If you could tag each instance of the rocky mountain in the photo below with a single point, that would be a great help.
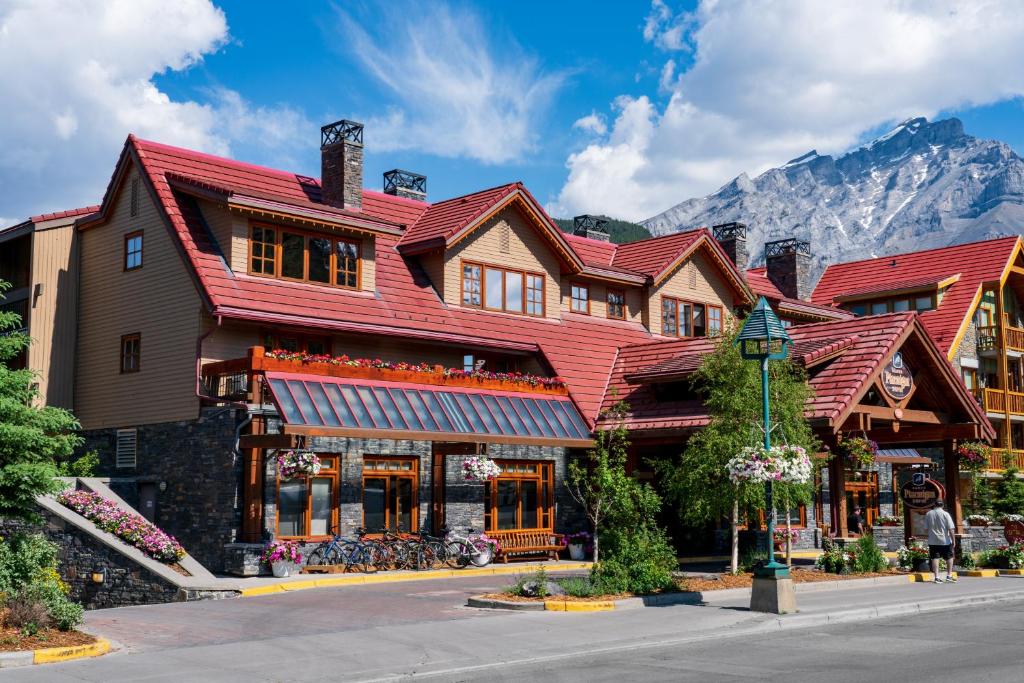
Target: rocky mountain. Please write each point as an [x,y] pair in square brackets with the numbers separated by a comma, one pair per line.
[921,185]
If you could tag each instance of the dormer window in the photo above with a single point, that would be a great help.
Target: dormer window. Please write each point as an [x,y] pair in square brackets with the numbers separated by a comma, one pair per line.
[689,319]
[502,289]
[580,302]
[294,255]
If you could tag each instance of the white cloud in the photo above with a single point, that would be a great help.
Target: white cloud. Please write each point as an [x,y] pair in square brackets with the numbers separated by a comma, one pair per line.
[458,91]
[770,81]
[666,29]
[592,123]
[77,77]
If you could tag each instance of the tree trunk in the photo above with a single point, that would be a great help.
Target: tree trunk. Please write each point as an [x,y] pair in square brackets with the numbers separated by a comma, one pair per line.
[734,525]
[789,540]
[596,544]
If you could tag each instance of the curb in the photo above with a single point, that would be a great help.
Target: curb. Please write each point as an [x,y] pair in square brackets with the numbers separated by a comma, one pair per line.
[384,577]
[985,573]
[1010,572]
[49,655]
[928,576]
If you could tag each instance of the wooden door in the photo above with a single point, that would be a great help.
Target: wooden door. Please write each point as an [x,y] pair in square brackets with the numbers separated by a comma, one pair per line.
[437,500]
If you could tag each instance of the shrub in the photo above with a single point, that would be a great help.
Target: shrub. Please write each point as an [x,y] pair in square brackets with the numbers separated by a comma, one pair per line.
[750,559]
[834,559]
[22,558]
[967,561]
[638,560]
[26,613]
[52,594]
[578,586]
[1008,496]
[869,557]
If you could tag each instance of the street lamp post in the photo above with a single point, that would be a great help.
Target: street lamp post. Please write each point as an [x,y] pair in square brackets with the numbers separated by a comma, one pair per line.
[764,338]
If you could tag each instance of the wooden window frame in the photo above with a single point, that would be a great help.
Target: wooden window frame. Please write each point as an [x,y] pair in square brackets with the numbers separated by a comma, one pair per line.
[413,473]
[573,299]
[762,519]
[543,294]
[545,478]
[524,274]
[679,304]
[127,239]
[303,340]
[331,469]
[608,303]
[279,232]
[721,319]
[135,337]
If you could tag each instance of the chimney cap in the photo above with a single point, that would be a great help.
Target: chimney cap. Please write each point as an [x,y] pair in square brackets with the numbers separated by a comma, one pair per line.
[341,131]
[397,179]
[734,230]
[585,223]
[791,245]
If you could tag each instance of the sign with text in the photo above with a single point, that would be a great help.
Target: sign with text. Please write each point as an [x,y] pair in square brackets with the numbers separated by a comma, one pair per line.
[896,378]
[921,493]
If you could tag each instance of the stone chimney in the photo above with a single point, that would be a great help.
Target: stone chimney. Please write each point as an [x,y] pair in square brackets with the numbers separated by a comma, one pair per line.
[590,226]
[789,266]
[405,184]
[341,164]
[732,237]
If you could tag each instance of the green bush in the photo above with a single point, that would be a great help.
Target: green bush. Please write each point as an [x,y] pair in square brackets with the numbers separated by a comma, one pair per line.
[22,558]
[868,556]
[578,586]
[750,558]
[967,561]
[638,560]
[29,578]
[1008,497]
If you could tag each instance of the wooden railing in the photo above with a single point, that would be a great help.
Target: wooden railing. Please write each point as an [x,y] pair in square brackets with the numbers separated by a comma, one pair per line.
[996,401]
[1001,457]
[1014,338]
[990,338]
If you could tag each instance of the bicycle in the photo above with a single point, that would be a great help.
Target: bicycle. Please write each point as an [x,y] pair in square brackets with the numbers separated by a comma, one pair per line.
[473,548]
[339,550]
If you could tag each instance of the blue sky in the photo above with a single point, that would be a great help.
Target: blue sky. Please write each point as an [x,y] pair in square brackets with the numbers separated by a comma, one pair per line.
[623,108]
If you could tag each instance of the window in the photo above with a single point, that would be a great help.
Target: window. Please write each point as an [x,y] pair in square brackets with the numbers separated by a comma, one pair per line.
[879,308]
[318,259]
[797,517]
[468,363]
[521,496]
[920,303]
[901,305]
[616,304]
[502,289]
[133,250]
[131,348]
[857,309]
[924,303]
[389,494]
[687,319]
[307,506]
[580,299]
[294,343]
[970,376]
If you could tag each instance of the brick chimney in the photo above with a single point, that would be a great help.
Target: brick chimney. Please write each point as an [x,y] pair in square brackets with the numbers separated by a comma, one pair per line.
[405,184]
[341,164]
[590,226]
[788,264]
[732,237]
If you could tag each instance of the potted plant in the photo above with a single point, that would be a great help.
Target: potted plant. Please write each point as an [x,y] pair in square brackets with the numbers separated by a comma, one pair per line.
[859,451]
[291,464]
[780,535]
[979,520]
[282,556]
[913,557]
[973,455]
[580,544]
[480,468]
[888,520]
[780,463]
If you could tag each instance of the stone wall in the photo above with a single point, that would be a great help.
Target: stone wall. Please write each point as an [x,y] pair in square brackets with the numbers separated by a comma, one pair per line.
[195,462]
[980,538]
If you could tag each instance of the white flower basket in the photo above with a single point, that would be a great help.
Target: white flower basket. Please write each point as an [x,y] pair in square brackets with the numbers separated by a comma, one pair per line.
[479,468]
[789,464]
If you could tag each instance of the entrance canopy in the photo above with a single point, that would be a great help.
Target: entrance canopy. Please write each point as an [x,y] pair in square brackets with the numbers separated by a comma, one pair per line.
[329,406]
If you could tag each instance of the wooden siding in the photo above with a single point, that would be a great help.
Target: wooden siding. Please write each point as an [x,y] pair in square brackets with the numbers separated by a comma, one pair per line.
[697,279]
[52,317]
[599,297]
[159,301]
[526,250]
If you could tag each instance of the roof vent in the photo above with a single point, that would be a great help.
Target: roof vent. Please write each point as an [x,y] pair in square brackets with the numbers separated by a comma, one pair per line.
[405,184]
[590,226]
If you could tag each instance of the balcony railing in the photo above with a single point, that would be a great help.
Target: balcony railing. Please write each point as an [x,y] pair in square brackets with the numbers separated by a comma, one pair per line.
[989,338]
[1001,457]
[995,401]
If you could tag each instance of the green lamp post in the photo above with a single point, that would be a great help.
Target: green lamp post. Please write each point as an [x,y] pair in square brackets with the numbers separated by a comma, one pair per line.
[764,338]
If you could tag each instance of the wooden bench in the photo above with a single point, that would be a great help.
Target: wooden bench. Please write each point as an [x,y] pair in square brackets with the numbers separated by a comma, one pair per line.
[528,542]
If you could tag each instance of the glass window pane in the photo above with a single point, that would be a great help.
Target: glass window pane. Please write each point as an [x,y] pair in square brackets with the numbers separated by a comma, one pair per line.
[529,424]
[503,413]
[397,421]
[879,308]
[340,406]
[320,259]
[481,408]
[901,305]
[668,317]
[346,263]
[552,419]
[514,292]
[316,390]
[291,510]
[528,494]
[436,411]
[320,512]
[405,409]
[535,295]
[507,504]
[422,412]
[569,420]
[292,255]
[305,402]
[685,322]
[699,324]
[469,413]
[285,402]
[492,288]
[471,285]
[358,409]
[858,309]
[714,320]
[403,502]
[538,416]
[374,498]
[923,303]
[371,404]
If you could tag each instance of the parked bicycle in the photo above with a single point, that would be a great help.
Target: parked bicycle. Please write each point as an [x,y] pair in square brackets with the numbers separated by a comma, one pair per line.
[387,549]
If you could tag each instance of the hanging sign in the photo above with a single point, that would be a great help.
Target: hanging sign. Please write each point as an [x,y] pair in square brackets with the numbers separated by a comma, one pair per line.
[921,492]
[896,379]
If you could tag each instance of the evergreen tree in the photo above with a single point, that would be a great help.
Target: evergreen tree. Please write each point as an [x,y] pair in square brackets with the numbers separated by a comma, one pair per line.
[32,438]
[1008,498]
[619,232]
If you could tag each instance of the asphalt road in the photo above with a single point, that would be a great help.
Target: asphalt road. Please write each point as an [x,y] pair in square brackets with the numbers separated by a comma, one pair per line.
[423,630]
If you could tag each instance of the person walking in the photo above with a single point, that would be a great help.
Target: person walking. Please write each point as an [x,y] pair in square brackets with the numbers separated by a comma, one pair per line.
[941,538]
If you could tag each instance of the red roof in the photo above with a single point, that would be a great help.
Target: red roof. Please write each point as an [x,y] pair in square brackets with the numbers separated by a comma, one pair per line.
[976,263]
[70,213]
[443,220]
[598,253]
[757,280]
[651,257]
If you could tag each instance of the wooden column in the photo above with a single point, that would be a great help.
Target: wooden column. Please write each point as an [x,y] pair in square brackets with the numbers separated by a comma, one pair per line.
[1004,375]
[252,488]
[951,464]
[837,495]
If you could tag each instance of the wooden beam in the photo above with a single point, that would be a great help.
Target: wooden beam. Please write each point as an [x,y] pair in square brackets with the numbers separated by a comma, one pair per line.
[903,414]
[1017,269]
[266,441]
[916,434]
[951,464]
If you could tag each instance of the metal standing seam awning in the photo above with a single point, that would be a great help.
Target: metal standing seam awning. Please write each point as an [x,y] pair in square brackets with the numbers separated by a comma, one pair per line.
[329,406]
[902,456]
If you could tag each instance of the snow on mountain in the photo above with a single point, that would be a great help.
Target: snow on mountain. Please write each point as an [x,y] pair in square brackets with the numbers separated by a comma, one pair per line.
[921,185]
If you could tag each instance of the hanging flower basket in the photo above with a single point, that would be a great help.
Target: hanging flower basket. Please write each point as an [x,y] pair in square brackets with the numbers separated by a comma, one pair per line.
[789,464]
[479,468]
[974,456]
[859,451]
[291,464]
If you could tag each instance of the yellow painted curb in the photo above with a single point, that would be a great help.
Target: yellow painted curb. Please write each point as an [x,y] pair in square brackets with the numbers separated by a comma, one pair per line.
[48,655]
[386,577]
[985,573]
[1010,572]
[926,576]
[567,606]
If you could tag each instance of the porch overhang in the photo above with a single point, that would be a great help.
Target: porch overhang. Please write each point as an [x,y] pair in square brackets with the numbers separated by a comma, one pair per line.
[315,405]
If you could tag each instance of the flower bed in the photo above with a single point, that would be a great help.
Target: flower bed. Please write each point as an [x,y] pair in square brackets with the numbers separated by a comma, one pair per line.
[979,520]
[889,520]
[909,555]
[378,364]
[128,526]
[1004,557]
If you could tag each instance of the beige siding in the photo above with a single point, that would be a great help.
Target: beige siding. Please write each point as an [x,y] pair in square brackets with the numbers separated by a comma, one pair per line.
[159,301]
[506,240]
[52,315]
[697,279]
[599,298]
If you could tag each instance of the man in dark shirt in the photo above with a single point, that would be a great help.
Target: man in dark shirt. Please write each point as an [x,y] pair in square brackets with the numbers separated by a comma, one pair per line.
[855,523]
